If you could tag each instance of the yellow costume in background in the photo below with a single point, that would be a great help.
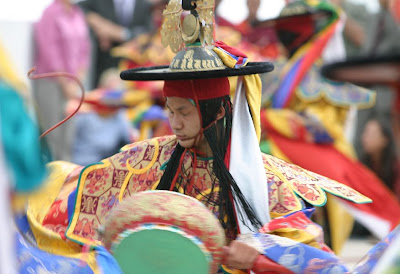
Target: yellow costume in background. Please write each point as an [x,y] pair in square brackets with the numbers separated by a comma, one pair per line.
[298,104]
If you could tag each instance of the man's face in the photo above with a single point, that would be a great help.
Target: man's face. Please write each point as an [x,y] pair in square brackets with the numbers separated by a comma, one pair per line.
[185,121]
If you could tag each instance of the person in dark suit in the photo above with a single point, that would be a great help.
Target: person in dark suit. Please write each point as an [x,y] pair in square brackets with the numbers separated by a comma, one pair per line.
[113,22]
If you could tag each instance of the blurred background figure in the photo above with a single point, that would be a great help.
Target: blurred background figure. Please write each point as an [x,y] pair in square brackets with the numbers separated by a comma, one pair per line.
[357,26]
[102,126]
[383,39]
[304,116]
[379,153]
[385,32]
[258,43]
[147,116]
[62,43]
[145,49]
[113,22]
[378,69]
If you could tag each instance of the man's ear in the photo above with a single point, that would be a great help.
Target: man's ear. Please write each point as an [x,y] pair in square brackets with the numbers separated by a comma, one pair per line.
[221,113]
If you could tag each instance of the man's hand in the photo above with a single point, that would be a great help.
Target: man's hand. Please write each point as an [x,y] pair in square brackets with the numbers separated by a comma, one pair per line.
[239,255]
[106,31]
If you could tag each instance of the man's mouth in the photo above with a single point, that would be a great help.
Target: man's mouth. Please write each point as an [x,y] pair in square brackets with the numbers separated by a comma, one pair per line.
[182,137]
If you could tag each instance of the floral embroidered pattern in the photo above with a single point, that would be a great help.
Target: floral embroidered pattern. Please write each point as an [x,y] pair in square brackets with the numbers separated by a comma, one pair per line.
[308,185]
[103,183]
[98,179]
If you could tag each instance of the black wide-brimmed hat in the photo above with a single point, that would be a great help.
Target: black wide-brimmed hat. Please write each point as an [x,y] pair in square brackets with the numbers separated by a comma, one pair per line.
[383,70]
[168,73]
[192,39]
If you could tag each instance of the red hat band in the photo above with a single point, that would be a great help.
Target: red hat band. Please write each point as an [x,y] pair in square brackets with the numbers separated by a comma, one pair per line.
[204,89]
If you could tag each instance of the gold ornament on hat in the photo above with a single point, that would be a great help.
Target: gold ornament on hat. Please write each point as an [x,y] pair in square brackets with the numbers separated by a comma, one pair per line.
[197,25]
[190,29]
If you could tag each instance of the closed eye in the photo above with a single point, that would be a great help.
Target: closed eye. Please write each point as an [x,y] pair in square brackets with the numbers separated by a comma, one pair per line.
[181,110]
[169,110]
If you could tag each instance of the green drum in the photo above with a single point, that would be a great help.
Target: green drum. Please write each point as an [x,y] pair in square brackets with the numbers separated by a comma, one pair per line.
[164,232]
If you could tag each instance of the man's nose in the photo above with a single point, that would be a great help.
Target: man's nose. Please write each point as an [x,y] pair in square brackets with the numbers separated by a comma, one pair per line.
[176,122]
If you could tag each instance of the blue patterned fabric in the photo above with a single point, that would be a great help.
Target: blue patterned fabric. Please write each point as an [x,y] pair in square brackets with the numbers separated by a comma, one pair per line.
[30,259]
[316,129]
[298,257]
[282,95]
[368,262]
[106,262]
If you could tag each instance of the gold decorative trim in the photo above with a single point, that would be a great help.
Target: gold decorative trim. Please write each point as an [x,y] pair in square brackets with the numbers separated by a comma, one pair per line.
[174,35]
